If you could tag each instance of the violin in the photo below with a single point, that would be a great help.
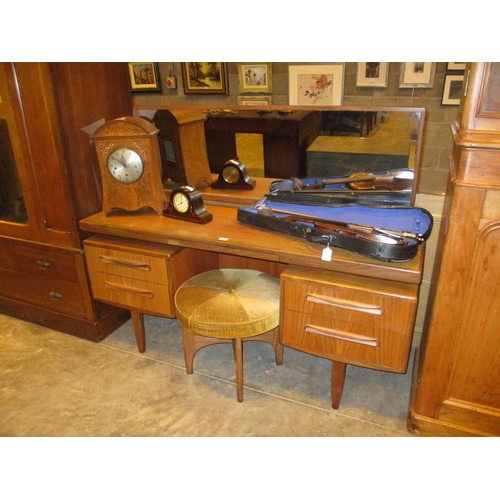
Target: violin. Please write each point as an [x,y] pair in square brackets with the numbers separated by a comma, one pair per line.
[370,233]
[392,180]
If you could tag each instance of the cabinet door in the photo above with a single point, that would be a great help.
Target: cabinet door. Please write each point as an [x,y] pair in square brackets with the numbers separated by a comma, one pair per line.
[473,392]
[37,96]
[18,200]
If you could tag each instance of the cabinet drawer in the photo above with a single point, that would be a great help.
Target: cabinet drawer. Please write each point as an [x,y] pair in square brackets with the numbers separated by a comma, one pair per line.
[357,320]
[126,262]
[39,261]
[370,310]
[142,275]
[57,295]
[346,342]
[131,293]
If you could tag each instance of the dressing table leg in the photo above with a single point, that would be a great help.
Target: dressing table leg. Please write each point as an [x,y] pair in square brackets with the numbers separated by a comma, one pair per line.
[140,334]
[338,377]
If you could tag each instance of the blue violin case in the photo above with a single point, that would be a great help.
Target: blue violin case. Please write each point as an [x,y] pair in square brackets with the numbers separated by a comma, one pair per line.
[387,233]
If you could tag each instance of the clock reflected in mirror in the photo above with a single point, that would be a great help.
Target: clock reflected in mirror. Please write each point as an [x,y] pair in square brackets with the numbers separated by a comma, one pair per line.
[233,175]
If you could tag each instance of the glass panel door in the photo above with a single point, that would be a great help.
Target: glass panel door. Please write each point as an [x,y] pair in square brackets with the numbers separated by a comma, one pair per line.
[12,205]
[17,183]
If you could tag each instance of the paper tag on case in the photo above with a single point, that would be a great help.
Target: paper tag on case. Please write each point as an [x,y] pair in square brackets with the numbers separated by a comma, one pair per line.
[327,254]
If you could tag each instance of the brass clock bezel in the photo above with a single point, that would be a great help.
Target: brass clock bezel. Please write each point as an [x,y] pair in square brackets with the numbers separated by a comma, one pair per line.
[233,175]
[113,176]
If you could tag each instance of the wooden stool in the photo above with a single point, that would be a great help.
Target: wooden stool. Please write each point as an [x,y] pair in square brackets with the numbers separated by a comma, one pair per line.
[229,306]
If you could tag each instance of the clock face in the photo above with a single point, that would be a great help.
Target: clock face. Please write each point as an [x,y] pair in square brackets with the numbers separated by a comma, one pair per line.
[125,165]
[180,202]
[231,174]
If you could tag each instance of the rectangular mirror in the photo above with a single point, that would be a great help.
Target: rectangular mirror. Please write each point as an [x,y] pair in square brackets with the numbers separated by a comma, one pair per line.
[283,142]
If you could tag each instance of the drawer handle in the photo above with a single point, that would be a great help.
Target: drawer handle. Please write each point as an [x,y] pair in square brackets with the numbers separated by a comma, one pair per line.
[125,263]
[345,304]
[337,334]
[43,265]
[57,297]
[129,289]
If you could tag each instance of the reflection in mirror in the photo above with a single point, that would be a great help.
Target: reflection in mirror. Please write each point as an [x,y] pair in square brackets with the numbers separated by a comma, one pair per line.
[341,144]
[316,144]
[296,142]
[12,208]
[341,147]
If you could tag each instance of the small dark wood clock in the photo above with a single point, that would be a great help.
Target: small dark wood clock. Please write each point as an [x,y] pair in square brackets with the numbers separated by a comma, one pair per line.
[128,154]
[233,175]
[186,204]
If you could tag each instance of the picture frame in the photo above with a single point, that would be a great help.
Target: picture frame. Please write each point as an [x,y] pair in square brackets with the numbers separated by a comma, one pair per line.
[204,78]
[316,85]
[255,77]
[144,76]
[456,66]
[264,100]
[452,90]
[417,75]
[372,74]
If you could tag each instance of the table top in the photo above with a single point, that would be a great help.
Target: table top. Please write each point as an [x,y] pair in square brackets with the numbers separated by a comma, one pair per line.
[226,235]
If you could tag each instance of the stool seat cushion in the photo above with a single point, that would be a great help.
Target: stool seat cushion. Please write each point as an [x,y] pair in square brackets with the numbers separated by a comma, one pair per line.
[229,303]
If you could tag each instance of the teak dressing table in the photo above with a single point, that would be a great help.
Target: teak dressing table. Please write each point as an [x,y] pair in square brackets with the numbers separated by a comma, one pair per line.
[352,309]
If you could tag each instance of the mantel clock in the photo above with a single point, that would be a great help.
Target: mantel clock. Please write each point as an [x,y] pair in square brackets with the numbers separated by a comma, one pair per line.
[187,204]
[233,175]
[127,150]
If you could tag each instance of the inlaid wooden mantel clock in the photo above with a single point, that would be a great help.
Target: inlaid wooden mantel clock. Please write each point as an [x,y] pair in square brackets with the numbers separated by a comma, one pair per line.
[127,150]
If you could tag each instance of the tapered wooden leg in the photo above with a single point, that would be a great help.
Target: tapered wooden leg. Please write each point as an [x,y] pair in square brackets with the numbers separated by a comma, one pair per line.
[278,346]
[188,342]
[140,334]
[271,337]
[338,377]
[238,358]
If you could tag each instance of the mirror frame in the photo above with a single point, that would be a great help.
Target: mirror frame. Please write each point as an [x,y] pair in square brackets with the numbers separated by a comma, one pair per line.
[149,112]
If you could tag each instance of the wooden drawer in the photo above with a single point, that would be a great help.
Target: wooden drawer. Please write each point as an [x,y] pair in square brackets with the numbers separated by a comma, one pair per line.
[57,295]
[362,321]
[39,261]
[140,263]
[141,275]
[132,294]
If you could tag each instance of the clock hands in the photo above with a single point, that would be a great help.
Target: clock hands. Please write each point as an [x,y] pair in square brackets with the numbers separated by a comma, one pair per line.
[121,162]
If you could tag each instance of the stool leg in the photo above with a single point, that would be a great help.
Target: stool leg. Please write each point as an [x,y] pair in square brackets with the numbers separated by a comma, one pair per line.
[188,341]
[238,358]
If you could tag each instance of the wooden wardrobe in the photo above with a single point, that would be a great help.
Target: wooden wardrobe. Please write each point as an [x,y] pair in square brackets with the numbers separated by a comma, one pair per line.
[456,383]
[49,180]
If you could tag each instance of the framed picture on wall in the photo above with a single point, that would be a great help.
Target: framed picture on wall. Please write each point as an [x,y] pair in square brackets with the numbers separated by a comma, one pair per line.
[204,77]
[417,75]
[452,91]
[144,77]
[372,74]
[245,100]
[321,85]
[456,66]
[255,77]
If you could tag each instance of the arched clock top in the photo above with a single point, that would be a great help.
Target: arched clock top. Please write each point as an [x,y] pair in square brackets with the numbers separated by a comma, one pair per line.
[127,126]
